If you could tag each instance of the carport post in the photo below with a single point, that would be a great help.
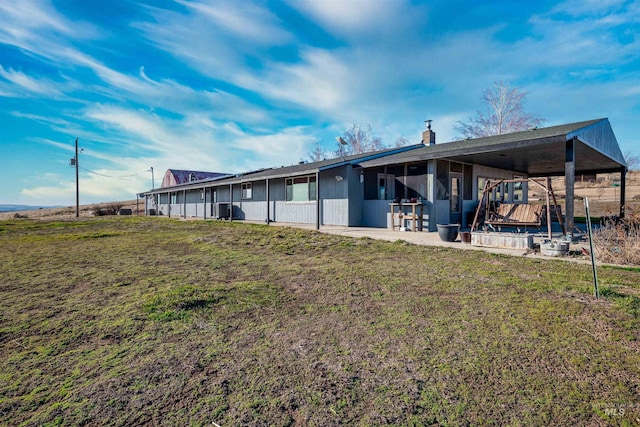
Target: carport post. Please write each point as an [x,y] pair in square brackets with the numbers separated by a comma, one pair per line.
[623,190]
[569,179]
[268,201]
[318,204]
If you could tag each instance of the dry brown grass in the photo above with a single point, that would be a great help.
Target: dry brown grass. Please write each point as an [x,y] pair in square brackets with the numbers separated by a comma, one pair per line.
[617,241]
[149,321]
[88,210]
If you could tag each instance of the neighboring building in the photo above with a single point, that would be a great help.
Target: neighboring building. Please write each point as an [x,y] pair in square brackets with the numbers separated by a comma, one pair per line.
[173,177]
[446,178]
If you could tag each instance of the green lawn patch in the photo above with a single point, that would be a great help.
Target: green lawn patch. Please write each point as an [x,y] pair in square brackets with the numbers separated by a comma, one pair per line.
[136,321]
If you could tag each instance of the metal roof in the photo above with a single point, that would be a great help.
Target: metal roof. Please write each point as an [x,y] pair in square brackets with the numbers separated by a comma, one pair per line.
[302,168]
[181,176]
[535,152]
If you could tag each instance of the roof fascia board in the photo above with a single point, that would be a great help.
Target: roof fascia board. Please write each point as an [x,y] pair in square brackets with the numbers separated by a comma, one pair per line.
[482,149]
[581,135]
[365,158]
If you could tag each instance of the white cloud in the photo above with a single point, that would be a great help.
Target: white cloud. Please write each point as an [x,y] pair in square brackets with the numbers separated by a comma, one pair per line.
[22,17]
[32,85]
[61,145]
[576,8]
[197,142]
[245,20]
[319,82]
[356,18]
[216,38]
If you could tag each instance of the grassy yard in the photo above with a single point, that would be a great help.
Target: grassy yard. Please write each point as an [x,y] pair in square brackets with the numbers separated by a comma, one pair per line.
[152,321]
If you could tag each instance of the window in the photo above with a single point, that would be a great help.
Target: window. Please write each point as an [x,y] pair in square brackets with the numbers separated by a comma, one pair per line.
[518,189]
[246,190]
[481,183]
[506,192]
[301,189]
[174,198]
[499,192]
[442,180]
[467,185]
[496,191]
[386,187]
[456,194]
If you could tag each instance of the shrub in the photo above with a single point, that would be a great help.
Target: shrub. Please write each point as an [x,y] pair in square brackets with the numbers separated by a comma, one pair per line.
[618,240]
[111,208]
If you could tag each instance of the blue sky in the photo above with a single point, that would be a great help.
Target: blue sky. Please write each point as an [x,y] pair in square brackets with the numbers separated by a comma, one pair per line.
[230,86]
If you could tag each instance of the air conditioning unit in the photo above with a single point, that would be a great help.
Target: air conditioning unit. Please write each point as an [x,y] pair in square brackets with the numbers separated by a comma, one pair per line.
[221,211]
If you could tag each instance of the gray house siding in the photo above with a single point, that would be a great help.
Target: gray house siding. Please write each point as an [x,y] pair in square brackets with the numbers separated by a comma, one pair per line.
[253,211]
[376,213]
[356,197]
[175,210]
[334,190]
[297,212]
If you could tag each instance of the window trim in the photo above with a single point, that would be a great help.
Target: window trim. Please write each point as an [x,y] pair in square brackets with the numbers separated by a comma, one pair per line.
[311,190]
[246,191]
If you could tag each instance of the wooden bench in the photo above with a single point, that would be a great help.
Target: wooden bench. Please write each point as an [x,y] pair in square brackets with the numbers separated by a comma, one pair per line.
[516,215]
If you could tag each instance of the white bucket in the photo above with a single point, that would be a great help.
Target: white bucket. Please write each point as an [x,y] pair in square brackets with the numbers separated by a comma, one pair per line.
[554,247]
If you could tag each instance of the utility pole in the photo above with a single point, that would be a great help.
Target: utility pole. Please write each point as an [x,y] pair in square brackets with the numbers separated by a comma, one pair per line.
[77,184]
[152,179]
[74,162]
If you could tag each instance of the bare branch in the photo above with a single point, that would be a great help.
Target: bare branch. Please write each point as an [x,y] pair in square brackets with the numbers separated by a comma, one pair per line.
[633,161]
[317,152]
[360,139]
[504,113]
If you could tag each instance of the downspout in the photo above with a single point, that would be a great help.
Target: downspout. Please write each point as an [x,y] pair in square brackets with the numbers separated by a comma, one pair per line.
[318,210]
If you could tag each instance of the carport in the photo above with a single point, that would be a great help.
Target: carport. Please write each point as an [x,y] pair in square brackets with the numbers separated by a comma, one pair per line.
[582,148]
[569,150]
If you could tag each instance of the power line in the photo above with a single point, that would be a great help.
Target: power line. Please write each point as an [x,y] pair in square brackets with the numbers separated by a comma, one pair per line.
[113,176]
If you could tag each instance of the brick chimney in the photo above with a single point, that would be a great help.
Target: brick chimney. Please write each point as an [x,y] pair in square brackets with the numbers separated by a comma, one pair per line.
[428,136]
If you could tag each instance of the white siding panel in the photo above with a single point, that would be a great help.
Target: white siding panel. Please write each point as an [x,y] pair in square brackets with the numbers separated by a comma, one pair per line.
[254,211]
[300,213]
[176,210]
[335,212]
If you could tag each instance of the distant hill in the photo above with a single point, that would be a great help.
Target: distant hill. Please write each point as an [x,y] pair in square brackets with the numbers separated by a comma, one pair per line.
[15,208]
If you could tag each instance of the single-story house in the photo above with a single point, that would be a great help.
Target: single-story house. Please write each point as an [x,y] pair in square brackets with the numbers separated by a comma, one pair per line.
[446,180]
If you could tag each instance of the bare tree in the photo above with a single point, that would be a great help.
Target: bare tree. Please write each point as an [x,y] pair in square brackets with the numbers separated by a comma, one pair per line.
[317,152]
[401,142]
[633,161]
[504,112]
[360,139]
